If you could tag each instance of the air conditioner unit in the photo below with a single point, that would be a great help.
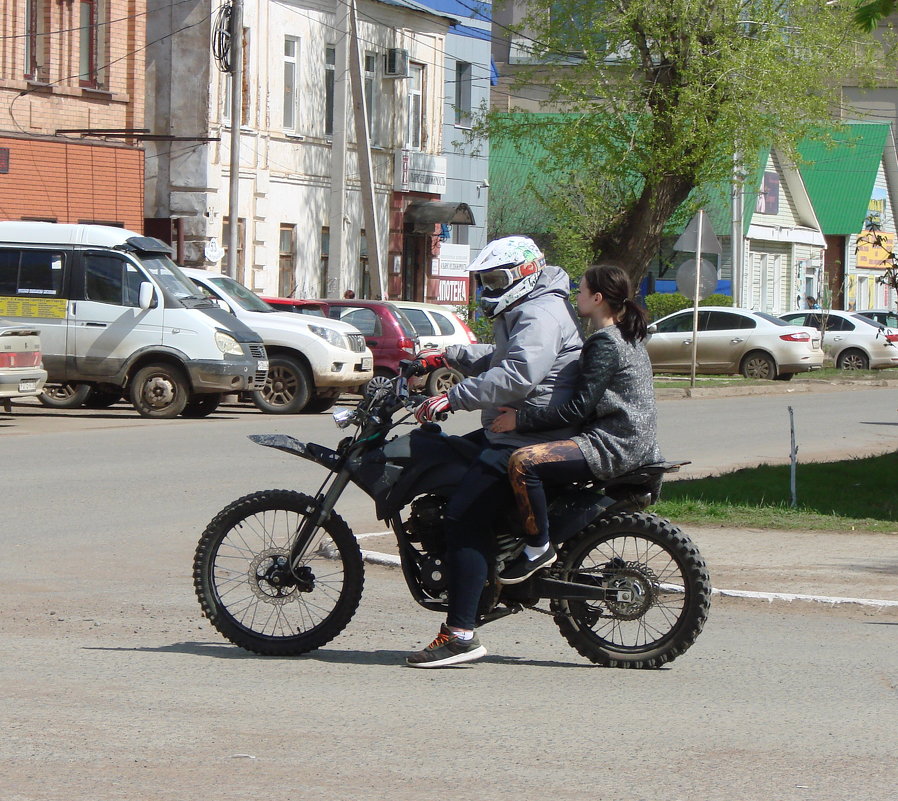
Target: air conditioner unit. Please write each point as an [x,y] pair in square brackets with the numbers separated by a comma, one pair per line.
[396,63]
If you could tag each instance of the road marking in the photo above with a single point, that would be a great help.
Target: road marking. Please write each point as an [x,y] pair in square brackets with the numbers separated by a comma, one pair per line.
[388,560]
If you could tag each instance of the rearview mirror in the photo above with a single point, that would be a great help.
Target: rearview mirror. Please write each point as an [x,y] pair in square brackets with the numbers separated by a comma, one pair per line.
[146,295]
[652,329]
[223,304]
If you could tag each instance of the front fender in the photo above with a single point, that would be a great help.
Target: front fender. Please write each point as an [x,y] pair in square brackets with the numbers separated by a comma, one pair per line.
[314,453]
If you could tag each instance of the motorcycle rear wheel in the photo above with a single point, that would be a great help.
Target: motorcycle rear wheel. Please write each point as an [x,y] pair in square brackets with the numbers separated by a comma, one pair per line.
[244,585]
[669,585]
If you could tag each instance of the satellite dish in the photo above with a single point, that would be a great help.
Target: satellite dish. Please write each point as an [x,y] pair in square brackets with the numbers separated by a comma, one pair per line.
[707,279]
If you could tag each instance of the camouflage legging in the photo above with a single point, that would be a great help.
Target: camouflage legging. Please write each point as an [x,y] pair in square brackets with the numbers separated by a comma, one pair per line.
[558,462]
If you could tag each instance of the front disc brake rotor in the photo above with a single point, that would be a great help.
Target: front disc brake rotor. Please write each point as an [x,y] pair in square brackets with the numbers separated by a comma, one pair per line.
[270,579]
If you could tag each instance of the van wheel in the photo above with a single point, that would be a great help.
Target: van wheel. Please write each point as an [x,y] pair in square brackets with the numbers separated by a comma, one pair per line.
[201,405]
[159,391]
[287,389]
[64,396]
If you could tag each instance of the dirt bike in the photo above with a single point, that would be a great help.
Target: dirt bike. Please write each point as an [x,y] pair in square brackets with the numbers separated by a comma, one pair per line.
[280,573]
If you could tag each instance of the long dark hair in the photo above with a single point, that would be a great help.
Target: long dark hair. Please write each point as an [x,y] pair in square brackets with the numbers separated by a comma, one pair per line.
[617,289]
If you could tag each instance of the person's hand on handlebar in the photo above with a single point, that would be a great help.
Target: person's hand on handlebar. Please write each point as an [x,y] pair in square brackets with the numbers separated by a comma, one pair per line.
[430,359]
[435,408]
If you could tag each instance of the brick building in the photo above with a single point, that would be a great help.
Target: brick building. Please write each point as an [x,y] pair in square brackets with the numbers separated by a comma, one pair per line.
[71,84]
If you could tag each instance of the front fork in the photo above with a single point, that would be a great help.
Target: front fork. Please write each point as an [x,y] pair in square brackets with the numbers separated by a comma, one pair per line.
[317,515]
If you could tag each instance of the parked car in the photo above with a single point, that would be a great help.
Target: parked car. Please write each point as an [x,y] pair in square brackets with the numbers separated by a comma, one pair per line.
[882,316]
[310,362]
[854,342]
[732,340]
[116,315]
[437,327]
[388,332]
[21,372]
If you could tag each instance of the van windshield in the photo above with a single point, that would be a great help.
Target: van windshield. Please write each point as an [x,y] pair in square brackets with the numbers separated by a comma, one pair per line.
[172,280]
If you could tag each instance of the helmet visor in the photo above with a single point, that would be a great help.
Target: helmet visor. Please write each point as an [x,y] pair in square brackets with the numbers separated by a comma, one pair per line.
[500,278]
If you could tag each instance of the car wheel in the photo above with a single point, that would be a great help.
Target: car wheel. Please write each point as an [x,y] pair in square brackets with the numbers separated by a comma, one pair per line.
[381,380]
[852,359]
[287,389]
[783,376]
[64,396]
[759,365]
[159,390]
[321,403]
[442,380]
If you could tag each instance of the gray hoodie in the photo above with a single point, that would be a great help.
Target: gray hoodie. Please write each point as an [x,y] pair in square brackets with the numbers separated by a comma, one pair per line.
[534,360]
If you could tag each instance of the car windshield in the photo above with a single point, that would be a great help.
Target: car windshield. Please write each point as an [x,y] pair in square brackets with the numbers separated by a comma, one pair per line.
[243,297]
[172,280]
[771,319]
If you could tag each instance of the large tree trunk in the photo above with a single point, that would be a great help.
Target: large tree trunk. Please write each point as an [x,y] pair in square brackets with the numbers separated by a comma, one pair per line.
[636,238]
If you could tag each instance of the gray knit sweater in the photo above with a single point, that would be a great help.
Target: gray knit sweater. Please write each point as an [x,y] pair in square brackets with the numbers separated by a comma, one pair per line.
[613,405]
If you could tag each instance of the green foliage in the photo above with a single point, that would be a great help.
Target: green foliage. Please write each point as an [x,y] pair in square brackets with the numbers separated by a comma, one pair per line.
[656,98]
[478,322]
[660,304]
[716,300]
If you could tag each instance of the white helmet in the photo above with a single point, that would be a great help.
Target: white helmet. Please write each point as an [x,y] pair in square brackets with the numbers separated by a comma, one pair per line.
[507,269]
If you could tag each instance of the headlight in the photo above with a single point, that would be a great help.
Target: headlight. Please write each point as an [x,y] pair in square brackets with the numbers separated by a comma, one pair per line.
[227,344]
[335,338]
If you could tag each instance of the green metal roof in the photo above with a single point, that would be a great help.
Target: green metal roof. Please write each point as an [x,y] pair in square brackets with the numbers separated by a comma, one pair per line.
[840,177]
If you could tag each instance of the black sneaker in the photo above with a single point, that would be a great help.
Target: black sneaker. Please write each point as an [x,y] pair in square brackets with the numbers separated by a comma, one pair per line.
[521,568]
[447,650]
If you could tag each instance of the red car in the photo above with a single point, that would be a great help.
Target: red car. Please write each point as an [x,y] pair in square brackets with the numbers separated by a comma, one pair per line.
[387,330]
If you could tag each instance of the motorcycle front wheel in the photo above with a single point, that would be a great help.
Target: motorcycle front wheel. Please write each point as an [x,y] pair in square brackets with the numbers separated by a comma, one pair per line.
[663,585]
[245,586]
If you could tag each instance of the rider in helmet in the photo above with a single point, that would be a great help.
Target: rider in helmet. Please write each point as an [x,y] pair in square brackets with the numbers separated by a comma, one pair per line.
[533,361]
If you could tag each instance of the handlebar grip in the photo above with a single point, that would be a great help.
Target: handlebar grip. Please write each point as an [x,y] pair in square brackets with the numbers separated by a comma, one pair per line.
[442,417]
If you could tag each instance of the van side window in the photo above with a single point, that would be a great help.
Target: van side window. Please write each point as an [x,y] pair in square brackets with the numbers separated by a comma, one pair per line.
[31,272]
[109,279]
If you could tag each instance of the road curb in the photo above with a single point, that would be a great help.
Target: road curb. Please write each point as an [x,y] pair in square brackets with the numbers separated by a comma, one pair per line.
[389,560]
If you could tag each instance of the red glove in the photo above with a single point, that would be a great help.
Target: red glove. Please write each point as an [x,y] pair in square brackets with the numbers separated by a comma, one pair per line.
[431,359]
[435,407]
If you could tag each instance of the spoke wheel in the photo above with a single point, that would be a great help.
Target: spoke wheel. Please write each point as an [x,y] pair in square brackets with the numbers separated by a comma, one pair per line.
[759,365]
[664,585]
[287,389]
[381,380]
[64,396]
[853,360]
[442,380]
[247,589]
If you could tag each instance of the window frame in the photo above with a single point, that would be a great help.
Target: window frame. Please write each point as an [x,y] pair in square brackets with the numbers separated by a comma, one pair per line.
[291,101]
[286,261]
[415,102]
[330,82]
[369,82]
[463,86]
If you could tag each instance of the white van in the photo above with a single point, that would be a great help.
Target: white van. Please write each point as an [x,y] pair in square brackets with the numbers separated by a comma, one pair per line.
[116,315]
[311,360]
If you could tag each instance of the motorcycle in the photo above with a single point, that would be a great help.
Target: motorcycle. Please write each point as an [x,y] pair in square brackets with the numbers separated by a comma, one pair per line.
[280,573]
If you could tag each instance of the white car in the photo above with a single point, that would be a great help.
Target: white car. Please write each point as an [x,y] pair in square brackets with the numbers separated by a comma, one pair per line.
[21,372]
[854,341]
[437,327]
[731,340]
[312,360]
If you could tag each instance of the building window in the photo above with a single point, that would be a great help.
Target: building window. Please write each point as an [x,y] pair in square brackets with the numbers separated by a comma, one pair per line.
[240,268]
[460,234]
[287,261]
[291,55]
[370,82]
[330,69]
[92,40]
[414,135]
[463,94]
[325,258]
[35,40]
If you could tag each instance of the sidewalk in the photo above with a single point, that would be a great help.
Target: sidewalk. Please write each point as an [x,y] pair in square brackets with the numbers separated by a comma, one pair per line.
[822,564]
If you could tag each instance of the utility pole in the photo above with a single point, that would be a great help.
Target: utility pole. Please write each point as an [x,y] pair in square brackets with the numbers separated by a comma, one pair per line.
[366,171]
[336,256]
[236,119]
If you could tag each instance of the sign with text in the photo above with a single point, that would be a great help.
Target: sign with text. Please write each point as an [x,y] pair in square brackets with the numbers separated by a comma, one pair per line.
[54,308]
[448,290]
[873,250]
[419,172]
[453,261]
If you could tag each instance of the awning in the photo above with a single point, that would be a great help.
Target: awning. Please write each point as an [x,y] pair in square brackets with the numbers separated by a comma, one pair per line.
[423,215]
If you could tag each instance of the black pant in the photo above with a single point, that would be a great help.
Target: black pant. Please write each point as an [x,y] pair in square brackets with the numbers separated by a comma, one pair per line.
[470,544]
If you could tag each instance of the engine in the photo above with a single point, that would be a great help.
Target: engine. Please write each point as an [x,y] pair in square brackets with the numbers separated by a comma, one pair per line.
[425,526]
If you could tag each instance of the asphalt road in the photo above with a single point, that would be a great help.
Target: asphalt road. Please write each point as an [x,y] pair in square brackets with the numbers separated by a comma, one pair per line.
[115,688]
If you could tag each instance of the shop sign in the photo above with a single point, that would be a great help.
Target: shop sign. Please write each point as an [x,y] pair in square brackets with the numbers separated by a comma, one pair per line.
[448,290]
[453,261]
[871,255]
[419,172]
